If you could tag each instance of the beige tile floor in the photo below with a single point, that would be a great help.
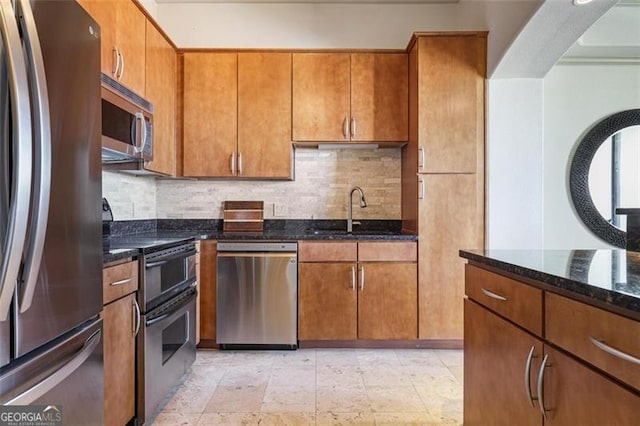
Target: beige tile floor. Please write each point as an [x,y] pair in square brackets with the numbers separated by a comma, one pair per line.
[319,386]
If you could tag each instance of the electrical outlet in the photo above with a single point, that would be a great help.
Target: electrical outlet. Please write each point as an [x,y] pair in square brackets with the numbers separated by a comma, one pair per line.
[279,210]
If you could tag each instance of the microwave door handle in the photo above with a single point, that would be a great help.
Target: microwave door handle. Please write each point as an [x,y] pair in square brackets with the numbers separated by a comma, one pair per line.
[139,134]
[42,172]
[143,123]
[21,143]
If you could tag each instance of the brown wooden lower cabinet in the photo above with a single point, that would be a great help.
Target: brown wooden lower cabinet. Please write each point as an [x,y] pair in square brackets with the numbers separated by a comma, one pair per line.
[495,356]
[349,301]
[577,395]
[119,360]
[387,301]
[327,307]
[497,351]
[207,281]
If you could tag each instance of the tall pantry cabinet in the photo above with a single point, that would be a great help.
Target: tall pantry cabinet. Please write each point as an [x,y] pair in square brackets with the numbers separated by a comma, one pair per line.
[443,172]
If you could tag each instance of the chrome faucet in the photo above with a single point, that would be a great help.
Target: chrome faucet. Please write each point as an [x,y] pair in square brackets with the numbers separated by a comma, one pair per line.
[363,204]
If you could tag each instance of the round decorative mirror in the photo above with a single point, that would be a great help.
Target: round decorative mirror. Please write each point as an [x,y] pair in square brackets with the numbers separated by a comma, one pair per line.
[605,175]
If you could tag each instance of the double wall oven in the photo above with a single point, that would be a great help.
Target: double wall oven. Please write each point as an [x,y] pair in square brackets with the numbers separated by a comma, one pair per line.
[166,345]
[167,341]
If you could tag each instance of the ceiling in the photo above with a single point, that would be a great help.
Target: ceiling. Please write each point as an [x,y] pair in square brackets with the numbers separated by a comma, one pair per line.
[614,37]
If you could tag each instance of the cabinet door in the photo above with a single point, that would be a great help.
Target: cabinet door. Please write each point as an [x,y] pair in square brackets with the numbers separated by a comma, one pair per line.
[104,13]
[210,114]
[207,281]
[130,39]
[576,395]
[327,301]
[387,301]
[379,103]
[451,71]
[119,361]
[450,218]
[161,82]
[264,115]
[321,92]
[495,357]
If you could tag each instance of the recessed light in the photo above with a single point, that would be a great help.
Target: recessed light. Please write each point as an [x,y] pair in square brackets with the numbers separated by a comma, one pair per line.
[581,2]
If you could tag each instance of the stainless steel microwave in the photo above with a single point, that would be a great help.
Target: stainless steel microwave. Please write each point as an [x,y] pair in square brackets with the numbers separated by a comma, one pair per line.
[127,125]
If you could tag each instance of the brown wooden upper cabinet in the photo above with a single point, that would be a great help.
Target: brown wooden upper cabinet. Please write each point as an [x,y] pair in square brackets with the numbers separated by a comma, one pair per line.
[450,103]
[122,27]
[161,84]
[350,97]
[237,115]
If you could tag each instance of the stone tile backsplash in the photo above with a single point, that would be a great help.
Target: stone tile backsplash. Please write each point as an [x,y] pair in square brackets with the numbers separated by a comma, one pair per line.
[130,197]
[320,190]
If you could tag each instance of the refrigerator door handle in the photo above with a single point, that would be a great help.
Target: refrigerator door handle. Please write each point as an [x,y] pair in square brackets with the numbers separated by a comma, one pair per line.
[37,391]
[21,182]
[42,154]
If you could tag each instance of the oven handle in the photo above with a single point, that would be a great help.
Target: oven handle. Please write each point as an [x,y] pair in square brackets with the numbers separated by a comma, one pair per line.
[173,311]
[165,260]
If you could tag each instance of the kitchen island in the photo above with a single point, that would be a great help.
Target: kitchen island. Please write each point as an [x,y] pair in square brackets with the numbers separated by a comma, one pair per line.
[552,336]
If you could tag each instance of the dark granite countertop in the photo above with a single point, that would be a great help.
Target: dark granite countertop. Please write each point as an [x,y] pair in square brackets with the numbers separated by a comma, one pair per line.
[111,255]
[608,278]
[121,234]
[274,230]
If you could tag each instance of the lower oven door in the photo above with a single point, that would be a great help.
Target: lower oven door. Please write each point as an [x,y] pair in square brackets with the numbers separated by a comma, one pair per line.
[167,350]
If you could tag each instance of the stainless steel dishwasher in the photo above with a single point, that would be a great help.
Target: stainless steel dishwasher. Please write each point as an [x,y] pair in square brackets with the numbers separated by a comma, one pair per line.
[257,295]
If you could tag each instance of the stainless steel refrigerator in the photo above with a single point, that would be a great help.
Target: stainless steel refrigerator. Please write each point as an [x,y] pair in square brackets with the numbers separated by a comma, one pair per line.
[50,217]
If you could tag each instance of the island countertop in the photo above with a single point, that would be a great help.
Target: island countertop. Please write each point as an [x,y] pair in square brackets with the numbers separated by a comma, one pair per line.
[606,278]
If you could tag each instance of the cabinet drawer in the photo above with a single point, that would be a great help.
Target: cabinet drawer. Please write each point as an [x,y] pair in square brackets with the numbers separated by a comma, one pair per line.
[514,300]
[321,251]
[388,252]
[118,281]
[580,328]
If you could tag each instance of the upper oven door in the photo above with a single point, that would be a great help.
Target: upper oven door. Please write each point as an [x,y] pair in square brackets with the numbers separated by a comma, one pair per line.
[167,273]
[126,129]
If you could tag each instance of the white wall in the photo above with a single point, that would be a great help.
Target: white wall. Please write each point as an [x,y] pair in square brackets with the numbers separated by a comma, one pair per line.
[357,26]
[514,150]
[577,96]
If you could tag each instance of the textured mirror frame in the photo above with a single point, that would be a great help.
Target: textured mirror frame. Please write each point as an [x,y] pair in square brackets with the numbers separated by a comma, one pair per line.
[579,175]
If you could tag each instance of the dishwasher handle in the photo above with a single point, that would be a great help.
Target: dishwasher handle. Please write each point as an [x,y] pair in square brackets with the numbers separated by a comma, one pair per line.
[258,254]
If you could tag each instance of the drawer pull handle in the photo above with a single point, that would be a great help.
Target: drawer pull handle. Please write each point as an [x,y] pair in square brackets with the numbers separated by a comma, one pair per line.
[613,351]
[527,376]
[121,282]
[494,295]
[543,366]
